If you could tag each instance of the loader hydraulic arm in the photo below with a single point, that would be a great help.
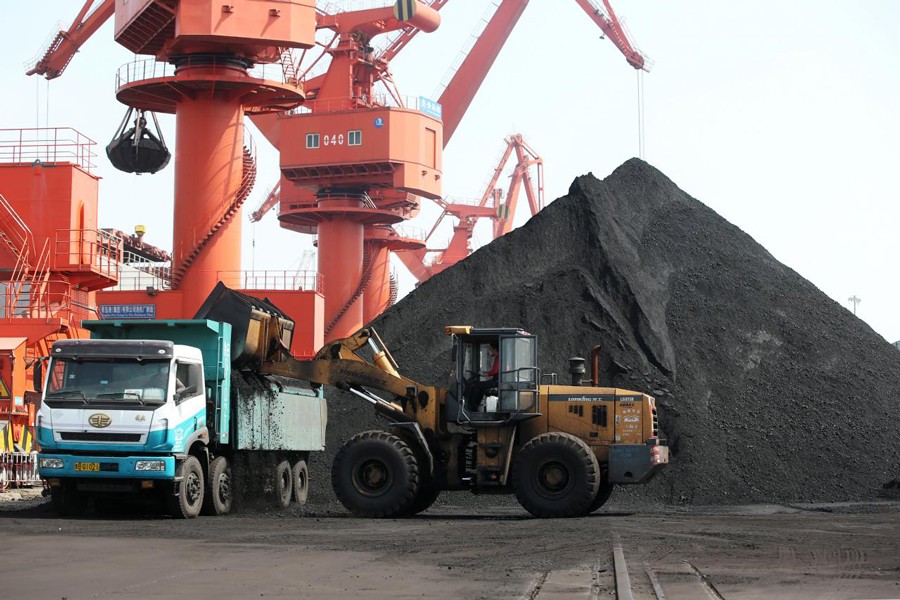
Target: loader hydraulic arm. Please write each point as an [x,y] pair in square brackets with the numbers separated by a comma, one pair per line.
[341,365]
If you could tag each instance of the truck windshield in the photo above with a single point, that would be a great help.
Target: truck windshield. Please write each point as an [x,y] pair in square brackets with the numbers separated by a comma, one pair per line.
[118,382]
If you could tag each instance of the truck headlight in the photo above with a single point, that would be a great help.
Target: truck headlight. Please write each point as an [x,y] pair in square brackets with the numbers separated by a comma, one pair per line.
[150,465]
[51,463]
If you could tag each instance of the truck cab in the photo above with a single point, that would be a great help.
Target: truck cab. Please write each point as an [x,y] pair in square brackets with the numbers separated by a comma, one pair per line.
[157,408]
[121,409]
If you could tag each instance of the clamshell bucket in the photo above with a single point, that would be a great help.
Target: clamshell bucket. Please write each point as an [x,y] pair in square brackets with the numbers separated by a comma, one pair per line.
[259,330]
[138,150]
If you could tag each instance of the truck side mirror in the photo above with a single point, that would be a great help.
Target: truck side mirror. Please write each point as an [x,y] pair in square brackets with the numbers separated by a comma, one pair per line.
[39,375]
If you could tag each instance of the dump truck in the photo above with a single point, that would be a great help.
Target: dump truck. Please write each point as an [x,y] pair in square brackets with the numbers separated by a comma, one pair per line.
[560,448]
[172,410]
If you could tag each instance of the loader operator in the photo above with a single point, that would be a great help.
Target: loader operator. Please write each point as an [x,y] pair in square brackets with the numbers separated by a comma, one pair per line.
[478,388]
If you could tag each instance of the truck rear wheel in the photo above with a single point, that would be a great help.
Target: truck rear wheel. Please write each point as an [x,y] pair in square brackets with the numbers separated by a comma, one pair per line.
[186,504]
[283,484]
[68,501]
[556,475]
[219,497]
[375,474]
[300,476]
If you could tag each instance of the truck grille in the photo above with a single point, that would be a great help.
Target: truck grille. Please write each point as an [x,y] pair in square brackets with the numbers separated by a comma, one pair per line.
[90,436]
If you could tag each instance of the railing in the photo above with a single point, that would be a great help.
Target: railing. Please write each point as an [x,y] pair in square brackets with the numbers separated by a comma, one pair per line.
[63,302]
[331,8]
[18,469]
[135,276]
[411,232]
[150,68]
[47,145]
[375,101]
[273,280]
[97,250]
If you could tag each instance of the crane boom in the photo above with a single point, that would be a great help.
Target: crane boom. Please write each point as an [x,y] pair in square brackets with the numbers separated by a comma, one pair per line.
[461,89]
[66,43]
[606,19]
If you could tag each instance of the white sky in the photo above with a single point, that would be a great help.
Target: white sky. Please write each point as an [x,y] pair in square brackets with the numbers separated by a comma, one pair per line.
[780,115]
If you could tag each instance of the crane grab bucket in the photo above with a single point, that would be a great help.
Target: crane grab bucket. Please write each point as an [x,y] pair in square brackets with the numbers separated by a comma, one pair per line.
[137,149]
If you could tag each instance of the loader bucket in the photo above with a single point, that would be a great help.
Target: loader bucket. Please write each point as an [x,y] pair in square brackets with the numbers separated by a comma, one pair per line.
[259,330]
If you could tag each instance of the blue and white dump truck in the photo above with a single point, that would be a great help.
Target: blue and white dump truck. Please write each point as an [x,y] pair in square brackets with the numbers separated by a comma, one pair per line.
[173,410]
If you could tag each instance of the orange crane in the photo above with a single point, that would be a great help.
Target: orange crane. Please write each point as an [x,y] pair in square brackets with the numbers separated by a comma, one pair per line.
[351,160]
[356,271]
[200,68]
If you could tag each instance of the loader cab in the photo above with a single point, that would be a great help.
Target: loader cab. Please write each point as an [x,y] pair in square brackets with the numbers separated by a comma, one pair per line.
[515,396]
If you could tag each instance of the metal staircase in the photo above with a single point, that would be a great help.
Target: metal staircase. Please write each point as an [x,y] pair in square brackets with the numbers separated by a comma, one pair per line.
[229,209]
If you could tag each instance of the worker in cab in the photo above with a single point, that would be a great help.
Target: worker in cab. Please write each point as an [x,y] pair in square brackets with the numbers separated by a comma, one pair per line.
[478,388]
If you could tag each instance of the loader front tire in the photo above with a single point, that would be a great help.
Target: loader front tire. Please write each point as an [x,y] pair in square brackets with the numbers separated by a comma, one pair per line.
[376,474]
[556,475]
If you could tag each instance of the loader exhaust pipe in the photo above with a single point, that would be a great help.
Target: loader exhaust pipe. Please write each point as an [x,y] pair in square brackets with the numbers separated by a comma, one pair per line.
[576,370]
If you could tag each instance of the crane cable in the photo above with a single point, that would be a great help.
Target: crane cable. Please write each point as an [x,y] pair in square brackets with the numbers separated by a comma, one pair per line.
[640,112]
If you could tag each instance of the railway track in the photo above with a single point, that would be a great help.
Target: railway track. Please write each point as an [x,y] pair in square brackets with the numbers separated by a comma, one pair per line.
[670,581]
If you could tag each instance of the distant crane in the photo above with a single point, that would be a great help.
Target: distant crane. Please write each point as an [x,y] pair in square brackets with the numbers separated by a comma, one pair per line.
[424,263]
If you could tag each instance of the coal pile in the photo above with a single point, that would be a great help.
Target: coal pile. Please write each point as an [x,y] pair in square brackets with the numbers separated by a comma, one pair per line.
[769,390]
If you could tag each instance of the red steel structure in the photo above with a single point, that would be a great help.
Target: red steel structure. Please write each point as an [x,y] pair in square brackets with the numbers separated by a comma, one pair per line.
[351,162]
[342,96]
[53,258]
[348,191]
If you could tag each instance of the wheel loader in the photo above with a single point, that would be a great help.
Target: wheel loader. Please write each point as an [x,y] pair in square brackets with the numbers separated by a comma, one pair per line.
[559,448]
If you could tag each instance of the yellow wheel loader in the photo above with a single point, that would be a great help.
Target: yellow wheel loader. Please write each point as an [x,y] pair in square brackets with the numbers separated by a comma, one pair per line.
[559,448]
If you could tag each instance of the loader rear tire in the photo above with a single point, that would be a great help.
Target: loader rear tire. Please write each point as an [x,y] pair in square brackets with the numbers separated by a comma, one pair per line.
[376,474]
[284,486]
[191,490]
[556,475]
[219,496]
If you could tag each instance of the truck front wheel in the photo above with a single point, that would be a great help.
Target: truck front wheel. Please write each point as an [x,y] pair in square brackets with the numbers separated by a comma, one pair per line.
[67,501]
[186,504]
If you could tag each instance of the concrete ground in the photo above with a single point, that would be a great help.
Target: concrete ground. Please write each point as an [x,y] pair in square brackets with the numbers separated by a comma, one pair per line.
[739,553]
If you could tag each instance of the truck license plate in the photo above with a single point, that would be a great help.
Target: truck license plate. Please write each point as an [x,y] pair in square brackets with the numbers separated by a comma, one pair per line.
[87,466]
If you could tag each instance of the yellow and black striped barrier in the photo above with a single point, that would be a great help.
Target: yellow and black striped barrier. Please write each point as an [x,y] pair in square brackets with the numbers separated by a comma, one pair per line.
[405,9]
[6,438]
[26,442]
